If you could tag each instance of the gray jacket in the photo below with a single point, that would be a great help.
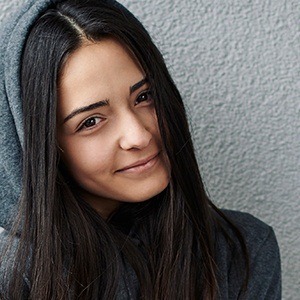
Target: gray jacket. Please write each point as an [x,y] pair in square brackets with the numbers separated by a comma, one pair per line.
[265,273]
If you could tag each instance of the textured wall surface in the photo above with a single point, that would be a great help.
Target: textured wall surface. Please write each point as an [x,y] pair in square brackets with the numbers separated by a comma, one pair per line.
[237,66]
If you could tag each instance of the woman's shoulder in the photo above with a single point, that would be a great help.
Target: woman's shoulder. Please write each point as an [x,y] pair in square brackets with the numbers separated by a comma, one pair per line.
[8,246]
[6,238]
[254,231]
[7,251]
[263,253]
[8,256]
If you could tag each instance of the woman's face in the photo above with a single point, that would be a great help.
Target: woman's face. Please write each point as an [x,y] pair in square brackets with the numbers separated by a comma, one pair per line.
[107,127]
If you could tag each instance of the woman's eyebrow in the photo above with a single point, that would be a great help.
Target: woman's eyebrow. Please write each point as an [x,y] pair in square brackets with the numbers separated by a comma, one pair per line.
[85,109]
[137,85]
[101,103]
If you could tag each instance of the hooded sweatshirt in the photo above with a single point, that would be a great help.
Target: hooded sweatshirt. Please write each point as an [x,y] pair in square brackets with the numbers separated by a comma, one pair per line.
[265,276]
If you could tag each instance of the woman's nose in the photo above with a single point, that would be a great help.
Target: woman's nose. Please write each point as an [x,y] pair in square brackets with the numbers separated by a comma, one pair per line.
[134,133]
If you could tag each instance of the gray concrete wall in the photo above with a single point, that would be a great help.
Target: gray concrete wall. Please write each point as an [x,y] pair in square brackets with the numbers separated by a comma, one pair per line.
[236,63]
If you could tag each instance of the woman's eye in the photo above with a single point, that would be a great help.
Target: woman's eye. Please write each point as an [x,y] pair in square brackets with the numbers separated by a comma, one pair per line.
[89,123]
[144,97]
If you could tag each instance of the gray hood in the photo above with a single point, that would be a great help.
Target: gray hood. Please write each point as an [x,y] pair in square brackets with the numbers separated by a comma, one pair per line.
[13,34]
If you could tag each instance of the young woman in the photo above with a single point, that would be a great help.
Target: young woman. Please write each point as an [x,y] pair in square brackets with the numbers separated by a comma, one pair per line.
[112,205]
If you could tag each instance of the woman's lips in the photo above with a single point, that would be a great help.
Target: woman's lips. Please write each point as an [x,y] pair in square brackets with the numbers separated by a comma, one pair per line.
[140,165]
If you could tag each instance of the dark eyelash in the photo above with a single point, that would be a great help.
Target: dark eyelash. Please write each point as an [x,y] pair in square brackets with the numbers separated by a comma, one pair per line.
[146,92]
[82,126]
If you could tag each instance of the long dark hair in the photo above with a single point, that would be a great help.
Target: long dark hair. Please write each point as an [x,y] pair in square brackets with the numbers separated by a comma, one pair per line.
[66,250]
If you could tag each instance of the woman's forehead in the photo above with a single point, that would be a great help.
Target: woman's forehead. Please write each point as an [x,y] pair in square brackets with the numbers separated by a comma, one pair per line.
[97,72]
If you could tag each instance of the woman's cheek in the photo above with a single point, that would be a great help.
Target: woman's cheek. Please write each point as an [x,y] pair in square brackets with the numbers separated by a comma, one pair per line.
[88,155]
